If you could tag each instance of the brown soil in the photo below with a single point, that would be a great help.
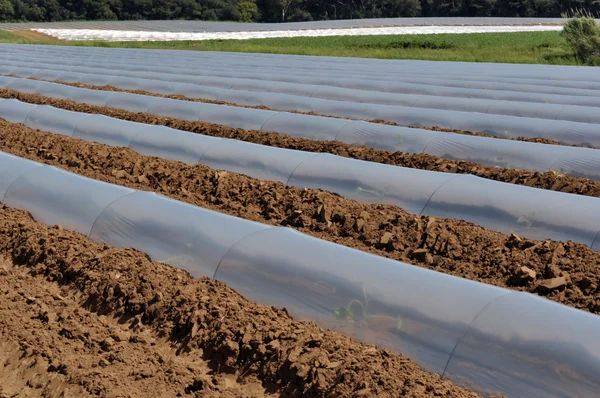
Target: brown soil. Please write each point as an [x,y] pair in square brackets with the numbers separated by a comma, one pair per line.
[446,245]
[37,36]
[550,180]
[380,121]
[78,318]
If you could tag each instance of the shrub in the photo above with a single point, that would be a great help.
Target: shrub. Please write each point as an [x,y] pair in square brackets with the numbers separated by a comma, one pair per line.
[583,34]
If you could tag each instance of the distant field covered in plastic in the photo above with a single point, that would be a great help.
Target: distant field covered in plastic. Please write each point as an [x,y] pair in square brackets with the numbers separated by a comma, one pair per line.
[521,47]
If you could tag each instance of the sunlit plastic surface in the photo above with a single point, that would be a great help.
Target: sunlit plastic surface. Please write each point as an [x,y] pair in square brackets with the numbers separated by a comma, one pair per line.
[177,109]
[95,80]
[15,111]
[304,126]
[24,85]
[107,130]
[172,144]
[171,232]
[93,97]
[526,346]
[236,117]
[56,120]
[500,153]
[285,102]
[197,91]
[245,97]
[131,102]
[392,138]
[509,208]
[369,182]
[368,297]
[69,77]
[53,196]
[578,162]
[257,161]
[58,91]
[47,74]
[11,167]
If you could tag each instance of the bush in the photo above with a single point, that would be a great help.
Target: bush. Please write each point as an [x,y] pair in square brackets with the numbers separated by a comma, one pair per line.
[583,34]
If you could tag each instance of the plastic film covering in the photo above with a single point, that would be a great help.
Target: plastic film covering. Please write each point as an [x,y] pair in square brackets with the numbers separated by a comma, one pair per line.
[534,348]
[107,130]
[5,81]
[361,295]
[509,208]
[46,74]
[369,182]
[178,109]
[392,138]
[131,102]
[153,86]
[503,153]
[54,196]
[196,91]
[24,85]
[95,80]
[243,118]
[284,102]
[258,161]
[172,144]
[70,77]
[499,125]
[56,120]
[58,91]
[171,232]
[579,162]
[11,168]
[92,97]
[306,126]
[6,69]
[23,71]
[15,111]
[246,97]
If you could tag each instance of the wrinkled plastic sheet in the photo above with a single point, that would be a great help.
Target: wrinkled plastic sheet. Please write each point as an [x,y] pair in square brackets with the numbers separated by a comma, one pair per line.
[508,208]
[172,144]
[171,232]
[257,161]
[54,196]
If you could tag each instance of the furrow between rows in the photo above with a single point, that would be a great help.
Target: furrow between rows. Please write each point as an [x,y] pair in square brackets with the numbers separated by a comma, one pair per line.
[566,272]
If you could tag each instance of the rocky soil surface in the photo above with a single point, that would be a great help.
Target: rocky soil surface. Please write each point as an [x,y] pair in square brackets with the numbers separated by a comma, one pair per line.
[566,272]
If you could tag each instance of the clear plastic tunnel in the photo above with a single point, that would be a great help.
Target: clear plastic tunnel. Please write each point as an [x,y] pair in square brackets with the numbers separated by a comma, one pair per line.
[530,212]
[54,196]
[508,208]
[171,232]
[296,124]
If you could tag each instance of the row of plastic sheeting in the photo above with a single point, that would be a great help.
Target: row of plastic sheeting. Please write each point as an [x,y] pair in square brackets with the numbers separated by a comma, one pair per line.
[346,89]
[502,153]
[379,94]
[481,336]
[507,208]
[168,64]
[552,74]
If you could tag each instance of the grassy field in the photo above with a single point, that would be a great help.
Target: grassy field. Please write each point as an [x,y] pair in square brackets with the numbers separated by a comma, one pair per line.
[529,47]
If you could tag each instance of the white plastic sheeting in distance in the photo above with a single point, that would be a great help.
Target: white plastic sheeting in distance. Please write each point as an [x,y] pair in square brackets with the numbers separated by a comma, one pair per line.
[508,208]
[481,336]
[125,35]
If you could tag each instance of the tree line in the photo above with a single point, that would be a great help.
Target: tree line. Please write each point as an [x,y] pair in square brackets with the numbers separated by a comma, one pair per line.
[280,10]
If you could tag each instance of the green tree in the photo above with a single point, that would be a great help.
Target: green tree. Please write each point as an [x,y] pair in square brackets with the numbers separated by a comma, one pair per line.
[7,11]
[583,34]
